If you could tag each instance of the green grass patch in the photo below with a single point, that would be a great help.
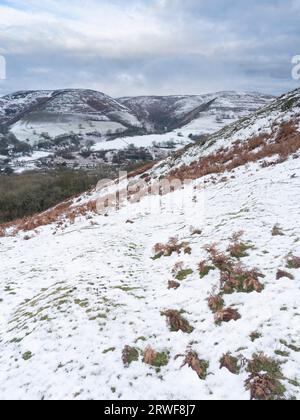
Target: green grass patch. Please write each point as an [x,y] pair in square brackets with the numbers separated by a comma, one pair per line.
[205,270]
[111,349]
[183,274]
[290,346]
[127,288]
[282,353]
[255,336]
[27,356]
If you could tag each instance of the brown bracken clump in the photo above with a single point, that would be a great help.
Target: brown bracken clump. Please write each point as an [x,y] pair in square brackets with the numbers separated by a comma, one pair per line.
[263,387]
[199,366]
[177,322]
[281,274]
[173,285]
[227,315]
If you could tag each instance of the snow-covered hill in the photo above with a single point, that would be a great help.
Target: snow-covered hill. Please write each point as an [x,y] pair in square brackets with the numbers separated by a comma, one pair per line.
[188,294]
[197,114]
[71,120]
[83,112]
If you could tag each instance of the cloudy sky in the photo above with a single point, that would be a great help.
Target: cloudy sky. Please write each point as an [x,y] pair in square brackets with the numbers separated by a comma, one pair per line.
[132,47]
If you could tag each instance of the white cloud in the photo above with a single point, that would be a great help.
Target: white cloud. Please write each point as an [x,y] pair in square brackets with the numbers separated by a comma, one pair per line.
[107,29]
[149,46]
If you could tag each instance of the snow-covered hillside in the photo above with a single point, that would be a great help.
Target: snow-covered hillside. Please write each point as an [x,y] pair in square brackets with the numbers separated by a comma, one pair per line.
[197,114]
[73,119]
[263,127]
[32,114]
[191,294]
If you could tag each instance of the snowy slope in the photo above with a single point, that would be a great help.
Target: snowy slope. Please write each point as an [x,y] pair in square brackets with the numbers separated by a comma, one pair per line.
[197,114]
[69,298]
[11,106]
[266,121]
[76,111]
[79,290]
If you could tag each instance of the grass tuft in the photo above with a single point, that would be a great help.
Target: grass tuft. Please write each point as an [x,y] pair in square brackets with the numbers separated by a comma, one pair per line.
[183,274]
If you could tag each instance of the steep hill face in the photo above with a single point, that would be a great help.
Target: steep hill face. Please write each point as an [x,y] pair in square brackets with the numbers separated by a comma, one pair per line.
[204,113]
[269,132]
[188,292]
[12,106]
[29,115]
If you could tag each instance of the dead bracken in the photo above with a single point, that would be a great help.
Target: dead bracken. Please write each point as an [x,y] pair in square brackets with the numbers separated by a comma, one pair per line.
[199,366]
[173,246]
[154,358]
[241,280]
[219,259]
[173,285]
[234,277]
[293,262]
[239,249]
[227,315]
[265,376]
[230,363]
[204,268]
[176,322]
[216,303]
[277,231]
[284,274]
[129,355]
[284,142]
[265,388]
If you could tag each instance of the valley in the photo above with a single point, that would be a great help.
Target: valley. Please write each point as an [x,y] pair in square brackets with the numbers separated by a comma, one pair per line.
[82,129]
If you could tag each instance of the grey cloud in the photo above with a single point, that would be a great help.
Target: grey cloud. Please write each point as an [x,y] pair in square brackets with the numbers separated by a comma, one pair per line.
[144,47]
